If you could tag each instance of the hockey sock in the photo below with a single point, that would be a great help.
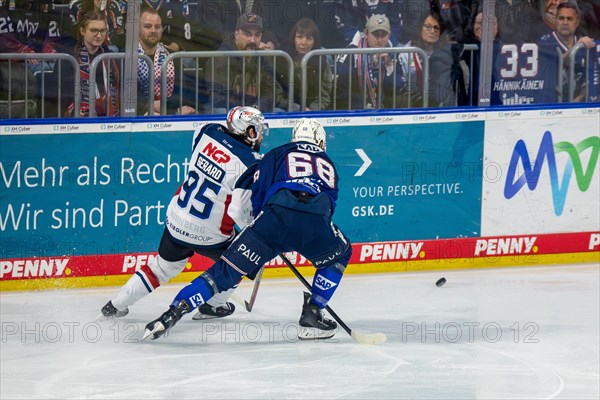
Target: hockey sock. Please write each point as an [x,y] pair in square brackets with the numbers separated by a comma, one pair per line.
[197,292]
[145,280]
[139,285]
[325,283]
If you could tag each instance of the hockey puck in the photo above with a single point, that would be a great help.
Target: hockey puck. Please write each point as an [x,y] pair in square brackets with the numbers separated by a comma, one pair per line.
[440,282]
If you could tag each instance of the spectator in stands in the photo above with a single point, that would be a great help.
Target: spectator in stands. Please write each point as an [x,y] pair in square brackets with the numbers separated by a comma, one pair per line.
[370,80]
[563,39]
[518,20]
[114,14]
[549,8]
[549,12]
[590,10]
[243,80]
[404,15]
[30,27]
[430,38]
[151,45]
[181,29]
[456,16]
[305,37]
[104,96]
[472,84]
[279,16]
[26,27]
[448,74]
[355,15]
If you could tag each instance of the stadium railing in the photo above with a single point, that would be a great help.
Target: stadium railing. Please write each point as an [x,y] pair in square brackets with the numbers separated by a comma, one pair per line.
[124,84]
[377,51]
[193,64]
[199,59]
[12,104]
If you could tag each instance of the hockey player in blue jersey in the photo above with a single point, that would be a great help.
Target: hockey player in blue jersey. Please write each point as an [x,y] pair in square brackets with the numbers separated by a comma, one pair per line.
[201,216]
[294,195]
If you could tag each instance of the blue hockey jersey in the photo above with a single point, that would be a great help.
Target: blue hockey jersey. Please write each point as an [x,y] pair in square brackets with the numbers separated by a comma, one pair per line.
[300,166]
[520,77]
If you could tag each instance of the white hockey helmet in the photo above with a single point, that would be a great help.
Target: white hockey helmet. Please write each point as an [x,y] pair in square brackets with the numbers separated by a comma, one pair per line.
[240,119]
[310,130]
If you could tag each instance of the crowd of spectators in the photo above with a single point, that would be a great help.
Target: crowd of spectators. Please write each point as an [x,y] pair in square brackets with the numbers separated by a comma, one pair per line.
[529,38]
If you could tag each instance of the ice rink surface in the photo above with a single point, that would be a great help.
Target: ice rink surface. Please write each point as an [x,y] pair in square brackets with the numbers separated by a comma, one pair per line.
[509,333]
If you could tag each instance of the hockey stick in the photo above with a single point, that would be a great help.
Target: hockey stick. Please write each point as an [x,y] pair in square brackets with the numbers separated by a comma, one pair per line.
[250,304]
[367,338]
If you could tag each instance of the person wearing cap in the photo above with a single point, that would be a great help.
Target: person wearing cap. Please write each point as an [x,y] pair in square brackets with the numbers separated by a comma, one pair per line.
[370,80]
[403,16]
[242,80]
[248,31]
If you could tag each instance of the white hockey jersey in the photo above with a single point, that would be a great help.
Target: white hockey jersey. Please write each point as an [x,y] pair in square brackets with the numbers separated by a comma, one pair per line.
[198,214]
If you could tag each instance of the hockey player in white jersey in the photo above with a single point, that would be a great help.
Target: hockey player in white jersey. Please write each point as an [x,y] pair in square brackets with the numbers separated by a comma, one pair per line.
[201,215]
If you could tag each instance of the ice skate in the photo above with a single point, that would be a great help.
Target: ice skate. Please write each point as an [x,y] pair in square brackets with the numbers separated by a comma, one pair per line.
[206,311]
[313,325]
[166,321]
[110,311]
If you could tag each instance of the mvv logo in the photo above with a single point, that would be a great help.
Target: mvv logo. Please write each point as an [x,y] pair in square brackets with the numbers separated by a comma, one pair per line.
[548,151]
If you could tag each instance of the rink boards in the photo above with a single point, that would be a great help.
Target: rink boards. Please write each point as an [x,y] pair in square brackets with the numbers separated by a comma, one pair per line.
[83,204]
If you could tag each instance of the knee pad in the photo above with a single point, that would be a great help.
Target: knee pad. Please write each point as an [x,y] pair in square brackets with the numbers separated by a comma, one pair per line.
[340,255]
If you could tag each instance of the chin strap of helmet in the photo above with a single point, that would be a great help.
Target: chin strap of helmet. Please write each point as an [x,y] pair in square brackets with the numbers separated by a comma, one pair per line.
[252,141]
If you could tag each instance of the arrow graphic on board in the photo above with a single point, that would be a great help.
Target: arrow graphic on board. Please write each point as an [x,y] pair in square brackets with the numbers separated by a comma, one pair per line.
[366,162]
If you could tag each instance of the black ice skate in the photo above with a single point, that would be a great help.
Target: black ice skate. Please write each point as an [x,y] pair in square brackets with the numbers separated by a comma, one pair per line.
[166,321]
[110,311]
[206,311]
[313,325]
